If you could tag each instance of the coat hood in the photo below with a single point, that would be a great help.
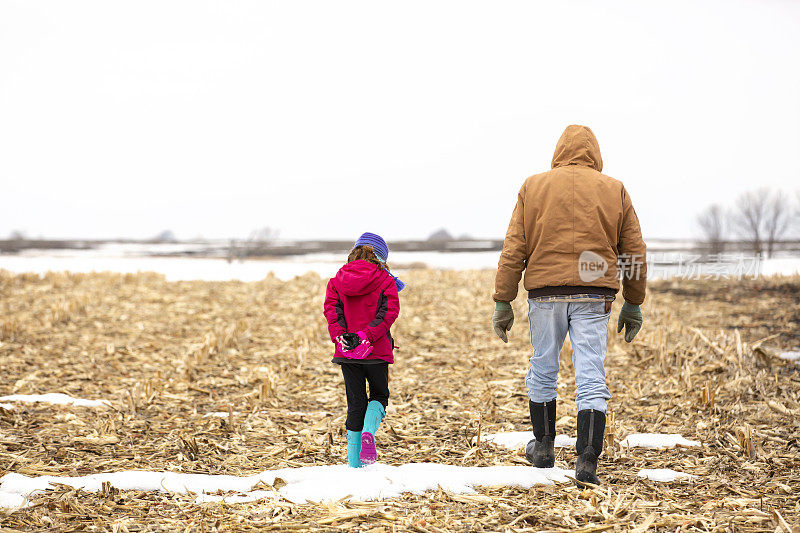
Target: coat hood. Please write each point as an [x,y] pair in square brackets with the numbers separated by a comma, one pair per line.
[578,146]
[360,277]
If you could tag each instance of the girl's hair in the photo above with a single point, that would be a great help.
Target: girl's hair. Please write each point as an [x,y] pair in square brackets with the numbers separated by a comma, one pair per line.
[365,253]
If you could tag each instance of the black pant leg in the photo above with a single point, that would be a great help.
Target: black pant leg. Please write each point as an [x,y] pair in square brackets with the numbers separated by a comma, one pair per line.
[378,378]
[355,387]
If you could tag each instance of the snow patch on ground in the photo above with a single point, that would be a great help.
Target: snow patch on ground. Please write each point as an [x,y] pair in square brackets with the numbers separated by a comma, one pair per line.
[212,269]
[173,268]
[133,258]
[663,474]
[310,483]
[783,266]
[791,356]
[10,500]
[56,399]
[519,439]
[6,406]
[656,440]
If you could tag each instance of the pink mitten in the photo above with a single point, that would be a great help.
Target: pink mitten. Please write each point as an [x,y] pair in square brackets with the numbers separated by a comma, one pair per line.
[361,351]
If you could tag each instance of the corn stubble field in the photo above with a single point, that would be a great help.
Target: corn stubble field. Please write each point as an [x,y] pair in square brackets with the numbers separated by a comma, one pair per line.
[167,353]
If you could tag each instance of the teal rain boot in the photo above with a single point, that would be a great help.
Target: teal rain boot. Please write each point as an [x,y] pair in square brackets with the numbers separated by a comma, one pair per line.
[354,449]
[372,420]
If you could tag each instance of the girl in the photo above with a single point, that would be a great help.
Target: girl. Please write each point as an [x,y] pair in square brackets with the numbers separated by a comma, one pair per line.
[361,304]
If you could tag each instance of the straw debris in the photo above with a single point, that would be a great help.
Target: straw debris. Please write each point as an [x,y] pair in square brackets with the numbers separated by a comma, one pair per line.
[173,357]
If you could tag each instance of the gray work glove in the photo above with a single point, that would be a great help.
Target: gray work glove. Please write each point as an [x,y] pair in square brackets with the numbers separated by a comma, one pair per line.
[502,319]
[631,318]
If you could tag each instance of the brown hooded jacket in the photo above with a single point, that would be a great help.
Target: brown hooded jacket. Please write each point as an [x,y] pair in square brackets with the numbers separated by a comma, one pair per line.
[570,228]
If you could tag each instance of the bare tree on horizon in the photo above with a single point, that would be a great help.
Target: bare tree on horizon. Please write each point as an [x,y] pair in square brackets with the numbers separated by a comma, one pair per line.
[776,221]
[256,244]
[712,223]
[17,235]
[748,219]
[263,235]
[795,229]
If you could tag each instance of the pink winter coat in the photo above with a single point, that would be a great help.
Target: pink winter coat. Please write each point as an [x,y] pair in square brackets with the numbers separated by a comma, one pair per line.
[363,297]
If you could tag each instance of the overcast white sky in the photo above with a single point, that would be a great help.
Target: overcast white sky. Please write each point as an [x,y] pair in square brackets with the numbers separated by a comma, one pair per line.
[325,119]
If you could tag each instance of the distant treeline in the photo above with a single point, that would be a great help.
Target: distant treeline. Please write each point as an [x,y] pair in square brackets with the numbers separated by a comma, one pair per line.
[19,244]
[242,249]
[761,219]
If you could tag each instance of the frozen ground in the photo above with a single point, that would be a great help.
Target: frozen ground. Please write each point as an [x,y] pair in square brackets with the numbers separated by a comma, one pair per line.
[132,258]
[162,428]
[298,485]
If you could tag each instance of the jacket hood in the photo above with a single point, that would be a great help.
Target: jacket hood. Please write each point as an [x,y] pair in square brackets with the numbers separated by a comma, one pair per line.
[578,146]
[360,277]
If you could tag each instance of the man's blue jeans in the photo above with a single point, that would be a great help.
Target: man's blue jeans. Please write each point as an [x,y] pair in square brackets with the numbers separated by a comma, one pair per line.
[587,325]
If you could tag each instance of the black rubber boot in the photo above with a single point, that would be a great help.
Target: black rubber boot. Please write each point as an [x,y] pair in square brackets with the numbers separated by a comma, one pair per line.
[540,451]
[591,428]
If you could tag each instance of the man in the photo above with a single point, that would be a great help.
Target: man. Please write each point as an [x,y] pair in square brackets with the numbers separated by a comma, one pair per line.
[569,230]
